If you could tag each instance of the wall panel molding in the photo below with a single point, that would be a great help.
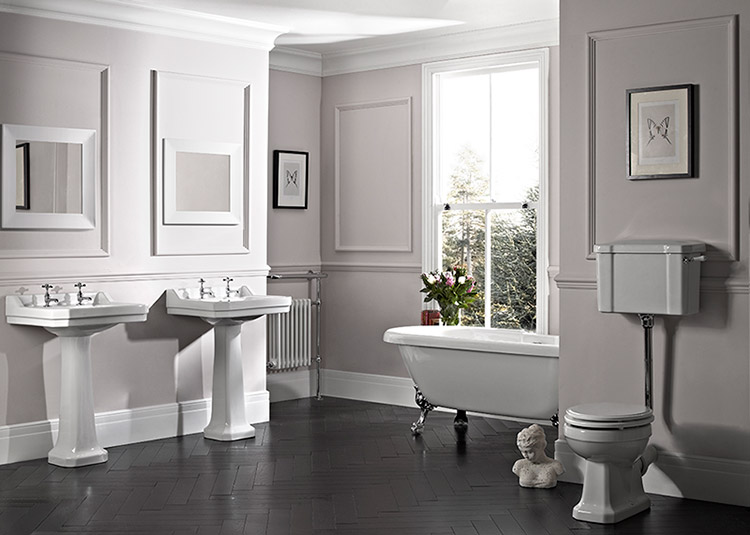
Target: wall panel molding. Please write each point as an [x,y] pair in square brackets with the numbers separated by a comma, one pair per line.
[28,279]
[228,121]
[373,175]
[731,241]
[376,267]
[22,244]
[715,285]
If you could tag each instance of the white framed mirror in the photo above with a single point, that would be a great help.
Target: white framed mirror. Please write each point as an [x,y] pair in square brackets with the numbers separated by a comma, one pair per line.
[48,177]
[202,182]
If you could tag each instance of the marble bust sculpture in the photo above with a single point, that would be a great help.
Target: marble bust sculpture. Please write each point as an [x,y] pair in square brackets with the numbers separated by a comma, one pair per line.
[535,470]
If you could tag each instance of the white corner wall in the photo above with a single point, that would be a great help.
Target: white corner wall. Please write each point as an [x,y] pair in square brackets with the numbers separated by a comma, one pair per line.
[701,362]
[151,379]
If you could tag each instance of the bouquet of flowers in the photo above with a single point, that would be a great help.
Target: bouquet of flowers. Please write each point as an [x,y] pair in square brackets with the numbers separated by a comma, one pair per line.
[452,289]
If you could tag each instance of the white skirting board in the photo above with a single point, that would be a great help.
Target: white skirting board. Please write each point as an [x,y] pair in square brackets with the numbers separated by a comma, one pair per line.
[24,442]
[298,384]
[681,476]
[368,387]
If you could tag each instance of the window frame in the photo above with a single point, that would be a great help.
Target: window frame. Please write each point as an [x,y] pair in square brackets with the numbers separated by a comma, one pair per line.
[432,204]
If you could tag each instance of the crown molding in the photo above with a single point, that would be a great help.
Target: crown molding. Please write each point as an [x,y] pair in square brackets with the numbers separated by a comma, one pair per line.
[447,46]
[150,18]
[296,61]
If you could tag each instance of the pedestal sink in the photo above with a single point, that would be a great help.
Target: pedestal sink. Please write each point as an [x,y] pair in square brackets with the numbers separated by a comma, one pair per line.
[226,310]
[74,323]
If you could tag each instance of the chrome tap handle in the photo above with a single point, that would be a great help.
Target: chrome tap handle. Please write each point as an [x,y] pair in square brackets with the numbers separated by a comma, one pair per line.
[47,298]
[80,296]
[203,291]
[228,280]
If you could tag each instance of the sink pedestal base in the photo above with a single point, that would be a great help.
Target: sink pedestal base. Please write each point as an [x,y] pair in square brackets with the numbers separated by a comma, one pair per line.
[76,444]
[228,419]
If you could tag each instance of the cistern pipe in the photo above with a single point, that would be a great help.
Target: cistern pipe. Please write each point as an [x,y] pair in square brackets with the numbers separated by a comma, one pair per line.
[647,322]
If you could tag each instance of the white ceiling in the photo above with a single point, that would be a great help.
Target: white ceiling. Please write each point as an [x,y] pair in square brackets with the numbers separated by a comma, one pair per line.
[328,26]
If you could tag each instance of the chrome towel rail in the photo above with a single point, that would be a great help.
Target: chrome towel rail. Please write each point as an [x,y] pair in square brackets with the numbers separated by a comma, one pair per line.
[309,276]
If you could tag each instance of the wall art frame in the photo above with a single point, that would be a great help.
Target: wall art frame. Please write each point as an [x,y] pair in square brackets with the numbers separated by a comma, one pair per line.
[660,133]
[290,179]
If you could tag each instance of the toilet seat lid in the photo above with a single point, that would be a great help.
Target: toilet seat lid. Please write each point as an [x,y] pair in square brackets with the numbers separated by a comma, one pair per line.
[608,415]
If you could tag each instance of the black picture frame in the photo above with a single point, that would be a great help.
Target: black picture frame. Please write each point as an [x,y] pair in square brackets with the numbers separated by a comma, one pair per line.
[661,132]
[22,183]
[290,179]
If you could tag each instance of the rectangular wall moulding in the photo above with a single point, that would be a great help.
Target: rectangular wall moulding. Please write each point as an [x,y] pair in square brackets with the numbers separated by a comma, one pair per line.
[373,176]
[200,166]
[58,109]
[705,207]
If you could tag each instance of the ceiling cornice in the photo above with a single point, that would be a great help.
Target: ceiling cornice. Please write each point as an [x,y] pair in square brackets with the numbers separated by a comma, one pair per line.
[398,54]
[296,61]
[133,15]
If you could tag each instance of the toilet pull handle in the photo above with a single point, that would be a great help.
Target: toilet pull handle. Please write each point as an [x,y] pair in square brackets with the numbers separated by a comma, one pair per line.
[688,259]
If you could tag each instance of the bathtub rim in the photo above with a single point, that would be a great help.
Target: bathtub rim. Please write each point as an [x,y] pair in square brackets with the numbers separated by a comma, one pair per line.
[435,336]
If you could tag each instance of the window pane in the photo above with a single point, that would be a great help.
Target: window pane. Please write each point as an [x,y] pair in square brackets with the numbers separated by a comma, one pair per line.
[465,138]
[515,133]
[464,245]
[513,248]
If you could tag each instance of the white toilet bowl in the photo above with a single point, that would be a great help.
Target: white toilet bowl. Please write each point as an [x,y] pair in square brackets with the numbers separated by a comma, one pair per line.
[612,438]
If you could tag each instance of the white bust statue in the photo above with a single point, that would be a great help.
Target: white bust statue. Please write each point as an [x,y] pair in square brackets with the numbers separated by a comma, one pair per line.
[535,470]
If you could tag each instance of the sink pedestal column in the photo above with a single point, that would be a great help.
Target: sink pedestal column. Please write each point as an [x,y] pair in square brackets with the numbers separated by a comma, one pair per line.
[228,420]
[76,444]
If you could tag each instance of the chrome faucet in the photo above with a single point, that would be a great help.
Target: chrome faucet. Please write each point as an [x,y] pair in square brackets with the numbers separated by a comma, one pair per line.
[229,292]
[47,298]
[205,292]
[80,296]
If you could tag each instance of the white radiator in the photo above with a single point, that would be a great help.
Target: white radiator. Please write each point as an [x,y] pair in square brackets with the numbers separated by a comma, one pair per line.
[289,336]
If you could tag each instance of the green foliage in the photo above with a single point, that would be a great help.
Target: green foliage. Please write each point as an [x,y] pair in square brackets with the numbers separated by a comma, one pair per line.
[452,289]
[513,250]
[514,269]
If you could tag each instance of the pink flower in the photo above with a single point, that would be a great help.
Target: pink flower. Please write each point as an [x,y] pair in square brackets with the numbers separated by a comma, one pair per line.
[449,278]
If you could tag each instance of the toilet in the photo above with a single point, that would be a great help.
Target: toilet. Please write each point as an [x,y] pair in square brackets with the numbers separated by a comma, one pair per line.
[612,438]
[645,278]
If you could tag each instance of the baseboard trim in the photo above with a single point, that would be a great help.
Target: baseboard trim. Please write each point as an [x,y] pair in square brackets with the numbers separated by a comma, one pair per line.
[27,441]
[368,387]
[296,384]
[682,476]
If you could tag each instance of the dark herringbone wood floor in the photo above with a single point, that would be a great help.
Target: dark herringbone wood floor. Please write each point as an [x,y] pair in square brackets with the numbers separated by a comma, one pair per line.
[331,466]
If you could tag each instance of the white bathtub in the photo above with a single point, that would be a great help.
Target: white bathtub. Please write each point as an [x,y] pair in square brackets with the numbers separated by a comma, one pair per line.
[494,371]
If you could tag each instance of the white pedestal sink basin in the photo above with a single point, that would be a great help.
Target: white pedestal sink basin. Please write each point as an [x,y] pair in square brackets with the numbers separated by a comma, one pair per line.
[76,444]
[226,314]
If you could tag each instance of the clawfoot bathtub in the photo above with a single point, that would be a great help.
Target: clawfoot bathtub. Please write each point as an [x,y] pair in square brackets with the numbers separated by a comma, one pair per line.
[492,371]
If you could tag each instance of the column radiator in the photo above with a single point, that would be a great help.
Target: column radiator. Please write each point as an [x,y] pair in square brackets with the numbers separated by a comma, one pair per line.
[289,335]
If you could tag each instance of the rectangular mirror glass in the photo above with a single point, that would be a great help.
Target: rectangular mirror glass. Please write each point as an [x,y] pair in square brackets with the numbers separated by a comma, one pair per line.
[48,177]
[203,182]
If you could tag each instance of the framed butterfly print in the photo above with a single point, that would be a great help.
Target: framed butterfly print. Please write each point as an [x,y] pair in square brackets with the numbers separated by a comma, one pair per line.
[660,133]
[290,179]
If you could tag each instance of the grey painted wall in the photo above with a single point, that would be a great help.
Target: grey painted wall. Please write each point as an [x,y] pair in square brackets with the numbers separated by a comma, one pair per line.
[702,362]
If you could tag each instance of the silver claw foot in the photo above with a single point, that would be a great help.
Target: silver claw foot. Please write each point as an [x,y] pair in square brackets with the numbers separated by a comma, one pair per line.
[424,406]
[461,421]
